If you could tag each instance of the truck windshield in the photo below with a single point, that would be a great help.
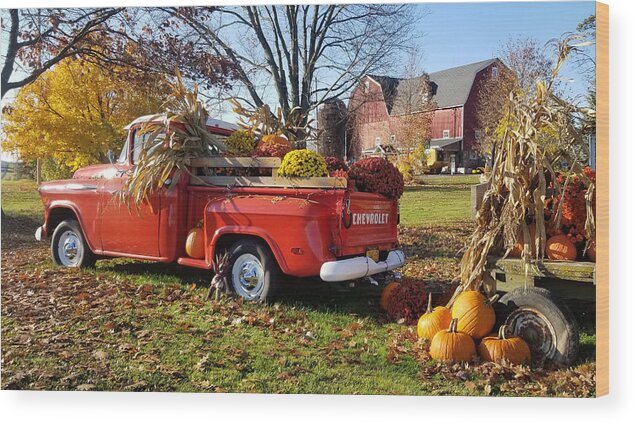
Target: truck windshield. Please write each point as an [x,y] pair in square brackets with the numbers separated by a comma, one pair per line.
[123,157]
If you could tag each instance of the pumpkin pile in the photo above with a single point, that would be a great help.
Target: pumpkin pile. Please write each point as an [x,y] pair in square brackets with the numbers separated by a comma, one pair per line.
[454,332]
[567,238]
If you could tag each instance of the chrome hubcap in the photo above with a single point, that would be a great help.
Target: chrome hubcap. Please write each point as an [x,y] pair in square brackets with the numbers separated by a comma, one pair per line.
[247,276]
[69,249]
[532,326]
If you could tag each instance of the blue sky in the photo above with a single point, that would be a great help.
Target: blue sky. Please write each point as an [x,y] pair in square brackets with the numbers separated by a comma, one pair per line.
[460,33]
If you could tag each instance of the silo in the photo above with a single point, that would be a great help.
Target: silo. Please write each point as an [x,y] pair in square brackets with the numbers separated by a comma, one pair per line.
[331,119]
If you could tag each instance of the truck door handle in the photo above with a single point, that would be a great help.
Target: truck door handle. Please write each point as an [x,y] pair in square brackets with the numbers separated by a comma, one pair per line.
[345,209]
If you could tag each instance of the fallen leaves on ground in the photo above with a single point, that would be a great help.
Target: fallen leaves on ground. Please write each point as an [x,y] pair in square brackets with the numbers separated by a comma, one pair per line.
[485,378]
[66,329]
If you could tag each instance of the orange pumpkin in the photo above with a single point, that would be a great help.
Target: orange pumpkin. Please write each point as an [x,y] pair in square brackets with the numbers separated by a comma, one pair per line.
[518,249]
[474,313]
[433,321]
[591,251]
[499,348]
[387,293]
[451,345]
[560,247]
[195,244]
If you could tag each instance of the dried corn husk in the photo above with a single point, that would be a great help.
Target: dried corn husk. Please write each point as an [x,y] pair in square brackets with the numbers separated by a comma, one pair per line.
[517,186]
[178,137]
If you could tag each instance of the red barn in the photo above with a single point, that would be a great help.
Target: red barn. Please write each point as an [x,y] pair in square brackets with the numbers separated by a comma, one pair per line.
[377,106]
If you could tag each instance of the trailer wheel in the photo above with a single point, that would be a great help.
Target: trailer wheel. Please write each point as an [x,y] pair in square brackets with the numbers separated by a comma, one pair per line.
[544,322]
[69,247]
[253,271]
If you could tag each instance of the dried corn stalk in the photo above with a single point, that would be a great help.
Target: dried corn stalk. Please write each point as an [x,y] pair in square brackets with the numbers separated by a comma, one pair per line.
[178,137]
[295,125]
[518,182]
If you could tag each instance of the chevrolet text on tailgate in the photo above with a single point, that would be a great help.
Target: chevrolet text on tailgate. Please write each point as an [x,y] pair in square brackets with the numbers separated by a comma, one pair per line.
[268,231]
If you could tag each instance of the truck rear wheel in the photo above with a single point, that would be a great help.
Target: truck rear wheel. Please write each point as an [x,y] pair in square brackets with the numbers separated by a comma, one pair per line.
[253,271]
[544,322]
[69,247]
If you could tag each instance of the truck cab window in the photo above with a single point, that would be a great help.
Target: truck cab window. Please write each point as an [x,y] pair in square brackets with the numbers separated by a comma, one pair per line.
[139,140]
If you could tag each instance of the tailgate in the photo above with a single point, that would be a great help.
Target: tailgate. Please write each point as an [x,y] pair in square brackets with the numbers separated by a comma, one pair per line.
[371,223]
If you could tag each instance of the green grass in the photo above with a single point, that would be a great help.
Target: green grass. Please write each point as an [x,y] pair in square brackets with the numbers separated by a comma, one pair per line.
[21,198]
[440,200]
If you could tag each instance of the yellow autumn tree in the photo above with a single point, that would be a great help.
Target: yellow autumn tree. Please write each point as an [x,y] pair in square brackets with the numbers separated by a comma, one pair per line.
[74,113]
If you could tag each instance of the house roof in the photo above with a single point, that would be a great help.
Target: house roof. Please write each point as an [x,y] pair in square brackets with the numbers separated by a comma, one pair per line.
[449,87]
[443,142]
[385,149]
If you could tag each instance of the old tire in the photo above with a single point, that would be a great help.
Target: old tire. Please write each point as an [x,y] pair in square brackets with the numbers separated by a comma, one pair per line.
[544,322]
[69,247]
[253,271]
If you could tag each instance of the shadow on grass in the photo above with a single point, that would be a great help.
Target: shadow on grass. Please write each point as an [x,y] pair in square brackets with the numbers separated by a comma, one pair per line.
[362,300]
[18,230]
[310,293]
[585,315]
[156,270]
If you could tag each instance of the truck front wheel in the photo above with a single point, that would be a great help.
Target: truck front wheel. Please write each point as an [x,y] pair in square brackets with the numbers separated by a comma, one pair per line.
[69,247]
[253,271]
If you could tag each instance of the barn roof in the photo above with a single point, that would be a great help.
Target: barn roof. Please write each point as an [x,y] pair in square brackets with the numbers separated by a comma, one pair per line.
[449,87]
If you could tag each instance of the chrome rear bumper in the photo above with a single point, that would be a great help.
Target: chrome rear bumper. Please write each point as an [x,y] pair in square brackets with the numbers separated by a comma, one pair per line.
[359,267]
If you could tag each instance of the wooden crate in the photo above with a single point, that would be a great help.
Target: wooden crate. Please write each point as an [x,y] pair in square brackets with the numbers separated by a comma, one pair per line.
[258,181]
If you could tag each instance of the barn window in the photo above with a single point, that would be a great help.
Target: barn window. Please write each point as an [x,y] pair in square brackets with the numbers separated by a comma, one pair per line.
[445,133]
[366,87]
[392,139]
[478,134]
[494,72]
[377,141]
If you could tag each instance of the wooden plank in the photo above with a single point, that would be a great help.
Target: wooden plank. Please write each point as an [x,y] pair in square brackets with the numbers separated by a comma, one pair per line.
[580,271]
[272,162]
[602,193]
[271,181]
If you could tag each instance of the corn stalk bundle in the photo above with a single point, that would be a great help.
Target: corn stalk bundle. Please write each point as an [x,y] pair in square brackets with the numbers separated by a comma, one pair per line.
[295,124]
[180,135]
[521,170]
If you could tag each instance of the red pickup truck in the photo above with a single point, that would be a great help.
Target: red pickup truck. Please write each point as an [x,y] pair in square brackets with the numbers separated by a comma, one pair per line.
[335,233]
